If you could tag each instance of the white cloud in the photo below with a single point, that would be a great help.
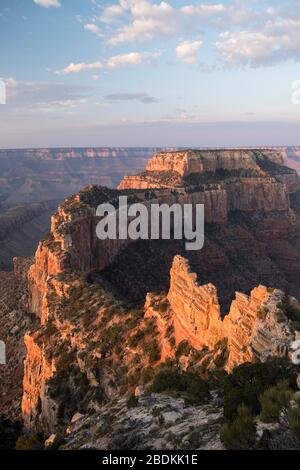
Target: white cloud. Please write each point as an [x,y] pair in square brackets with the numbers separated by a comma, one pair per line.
[114,62]
[275,41]
[146,20]
[132,58]
[81,67]
[149,20]
[92,27]
[112,12]
[48,3]
[203,10]
[187,51]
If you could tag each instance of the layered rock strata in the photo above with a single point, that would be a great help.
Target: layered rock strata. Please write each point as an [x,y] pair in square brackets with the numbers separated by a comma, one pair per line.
[72,252]
[254,329]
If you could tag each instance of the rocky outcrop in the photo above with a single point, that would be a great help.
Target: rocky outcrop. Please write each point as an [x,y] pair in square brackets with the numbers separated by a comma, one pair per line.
[255,328]
[242,214]
[202,161]
[14,322]
[162,169]
[73,243]
[256,194]
[159,419]
[37,407]
[252,179]
[196,308]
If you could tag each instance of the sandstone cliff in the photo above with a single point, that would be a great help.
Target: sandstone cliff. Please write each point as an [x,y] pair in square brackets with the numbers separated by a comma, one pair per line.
[202,161]
[167,169]
[255,328]
[88,333]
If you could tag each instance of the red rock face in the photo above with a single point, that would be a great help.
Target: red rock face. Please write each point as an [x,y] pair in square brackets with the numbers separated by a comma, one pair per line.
[196,308]
[252,231]
[201,161]
[252,329]
[36,404]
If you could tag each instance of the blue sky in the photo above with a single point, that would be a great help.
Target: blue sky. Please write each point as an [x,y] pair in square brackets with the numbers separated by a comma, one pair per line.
[149,73]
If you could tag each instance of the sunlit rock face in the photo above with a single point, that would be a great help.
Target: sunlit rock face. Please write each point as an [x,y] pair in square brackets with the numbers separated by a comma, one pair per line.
[196,308]
[254,329]
[253,229]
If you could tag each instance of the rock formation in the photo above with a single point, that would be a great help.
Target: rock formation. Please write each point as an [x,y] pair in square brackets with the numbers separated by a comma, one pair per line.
[252,238]
[255,328]
[203,161]
[36,175]
[14,322]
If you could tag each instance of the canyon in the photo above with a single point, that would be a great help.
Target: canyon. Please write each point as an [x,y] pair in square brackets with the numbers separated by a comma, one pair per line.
[89,327]
[29,177]
[36,175]
[101,317]
[34,181]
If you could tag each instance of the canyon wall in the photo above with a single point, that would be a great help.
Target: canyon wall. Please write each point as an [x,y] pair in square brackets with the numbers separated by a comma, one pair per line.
[73,243]
[201,161]
[254,329]
[36,175]
[21,229]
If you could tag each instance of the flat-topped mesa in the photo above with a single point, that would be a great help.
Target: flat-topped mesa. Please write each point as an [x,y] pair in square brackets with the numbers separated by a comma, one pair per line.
[73,243]
[202,161]
[192,168]
[255,329]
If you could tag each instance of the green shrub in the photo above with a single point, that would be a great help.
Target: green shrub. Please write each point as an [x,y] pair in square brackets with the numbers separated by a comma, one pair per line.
[195,389]
[172,341]
[296,325]
[29,442]
[183,349]
[132,401]
[169,331]
[273,400]
[293,417]
[153,350]
[241,433]
[163,306]
[292,312]
[262,313]
[248,382]
[221,353]
[136,339]
[9,433]
[147,374]
[151,327]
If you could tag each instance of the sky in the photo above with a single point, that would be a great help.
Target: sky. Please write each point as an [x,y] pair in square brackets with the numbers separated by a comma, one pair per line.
[149,73]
